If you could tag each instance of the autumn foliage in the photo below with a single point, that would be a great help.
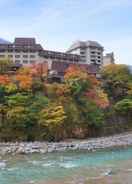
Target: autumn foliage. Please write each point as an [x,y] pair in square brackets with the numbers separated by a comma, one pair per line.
[32,108]
[99,97]
[4,80]
[24,81]
[91,87]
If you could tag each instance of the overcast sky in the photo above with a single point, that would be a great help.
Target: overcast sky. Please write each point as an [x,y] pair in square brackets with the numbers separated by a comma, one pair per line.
[58,23]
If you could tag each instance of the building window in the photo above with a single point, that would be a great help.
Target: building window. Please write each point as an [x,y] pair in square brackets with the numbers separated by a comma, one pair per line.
[93,61]
[82,52]
[93,56]
[32,56]
[2,56]
[25,61]
[17,61]
[17,50]
[25,56]
[17,56]
[10,56]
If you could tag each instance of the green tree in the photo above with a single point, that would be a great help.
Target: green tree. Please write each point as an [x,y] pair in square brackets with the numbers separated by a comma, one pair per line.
[91,113]
[78,81]
[73,117]
[20,117]
[124,107]
[5,65]
[117,81]
[2,94]
[39,102]
[20,122]
[19,99]
[37,86]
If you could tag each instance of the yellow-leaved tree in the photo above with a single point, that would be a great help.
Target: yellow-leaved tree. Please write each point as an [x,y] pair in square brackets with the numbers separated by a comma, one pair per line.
[51,119]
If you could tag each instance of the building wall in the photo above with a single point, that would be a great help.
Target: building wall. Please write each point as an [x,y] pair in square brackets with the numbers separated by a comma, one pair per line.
[21,51]
[27,58]
[96,56]
[26,51]
[77,51]
[88,58]
[90,55]
[91,52]
[21,57]
[108,59]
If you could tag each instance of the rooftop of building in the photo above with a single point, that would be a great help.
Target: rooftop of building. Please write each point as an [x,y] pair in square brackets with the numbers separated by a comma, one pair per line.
[61,67]
[21,44]
[25,41]
[85,44]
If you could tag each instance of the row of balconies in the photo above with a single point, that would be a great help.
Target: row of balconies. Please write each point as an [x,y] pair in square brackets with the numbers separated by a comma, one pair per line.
[18,50]
[17,56]
[61,56]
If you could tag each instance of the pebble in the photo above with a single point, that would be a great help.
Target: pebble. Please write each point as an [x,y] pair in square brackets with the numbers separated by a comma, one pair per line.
[91,144]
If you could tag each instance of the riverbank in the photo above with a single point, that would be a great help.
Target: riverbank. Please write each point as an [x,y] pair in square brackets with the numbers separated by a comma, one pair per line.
[46,147]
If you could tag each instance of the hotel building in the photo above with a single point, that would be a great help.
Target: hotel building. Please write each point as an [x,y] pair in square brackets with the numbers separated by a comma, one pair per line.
[22,51]
[26,51]
[91,52]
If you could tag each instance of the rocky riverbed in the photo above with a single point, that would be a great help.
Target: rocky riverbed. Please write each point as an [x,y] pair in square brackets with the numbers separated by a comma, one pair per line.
[46,147]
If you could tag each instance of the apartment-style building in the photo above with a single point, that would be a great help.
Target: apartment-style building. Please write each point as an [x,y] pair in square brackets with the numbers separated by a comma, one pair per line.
[91,52]
[21,51]
[26,51]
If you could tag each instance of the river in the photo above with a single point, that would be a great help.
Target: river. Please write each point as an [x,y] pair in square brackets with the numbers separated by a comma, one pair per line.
[113,166]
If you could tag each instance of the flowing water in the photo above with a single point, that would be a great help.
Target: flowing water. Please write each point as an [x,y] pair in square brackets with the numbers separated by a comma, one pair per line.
[77,167]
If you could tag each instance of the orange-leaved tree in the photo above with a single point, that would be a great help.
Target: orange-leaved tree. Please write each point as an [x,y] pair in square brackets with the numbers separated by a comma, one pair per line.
[39,70]
[24,79]
[83,84]
[4,80]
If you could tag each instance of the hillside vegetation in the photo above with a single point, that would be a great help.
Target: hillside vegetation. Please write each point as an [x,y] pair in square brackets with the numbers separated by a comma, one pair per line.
[31,108]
